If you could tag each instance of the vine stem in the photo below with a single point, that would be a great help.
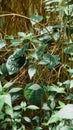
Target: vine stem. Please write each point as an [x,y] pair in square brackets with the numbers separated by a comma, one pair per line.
[25,17]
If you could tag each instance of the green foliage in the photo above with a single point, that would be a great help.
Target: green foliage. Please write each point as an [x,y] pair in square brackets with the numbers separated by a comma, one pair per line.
[50,60]
[36,19]
[50,103]
[2,43]
[33,93]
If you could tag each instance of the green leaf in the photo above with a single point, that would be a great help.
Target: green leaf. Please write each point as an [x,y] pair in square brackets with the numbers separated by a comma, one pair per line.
[56,88]
[52,119]
[14,90]
[2,43]
[2,116]
[33,93]
[16,42]
[36,41]
[10,37]
[16,60]
[38,128]
[31,72]
[8,99]
[9,111]
[7,85]
[35,87]
[46,29]
[27,119]
[12,65]
[35,19]
[4,69]
[62,104]
[71,83]
[66,128]
[45,38]
[69,50]
[2,101]
[45,107]
[34,55]
[50,60]
[56,36]
[33,107]
[66,112]
[22,34]
[0,87]
[41,50]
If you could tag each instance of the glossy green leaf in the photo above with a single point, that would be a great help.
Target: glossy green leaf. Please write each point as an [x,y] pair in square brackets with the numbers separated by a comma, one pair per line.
[45,107]
[4,69]
[35,87]
[41,50]
[53,119]
[69,50]
[56,88]
[38,128]
[71,83]
[56,36]
[66,128]
[22,34]
[14,90]
[8,99]
[2,43]
[9,111]
[10,37]
[27,119]
[33,107]
[31,72]
[2,101]
[0,87]
[16,60]
[16,42]
[33,93]
[50,60]
[34,55]
[35,19]
[7,85]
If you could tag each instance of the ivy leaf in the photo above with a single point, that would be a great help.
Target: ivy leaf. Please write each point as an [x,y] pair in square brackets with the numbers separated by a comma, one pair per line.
[16,60]
[33,93]
[50,60]
[38,128]
[8,100]
[4,70]
[16,42]
[33,107]
[35,87]
[31,72]
[0,87]
[10,37]
[71,84]
[34,55]
[22,34]
[35,19]
[2,43]
[14,90]
[41,50]
[9,111]
[69,50]
[55,88]
[7,85]
[2,101]
[27,119]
